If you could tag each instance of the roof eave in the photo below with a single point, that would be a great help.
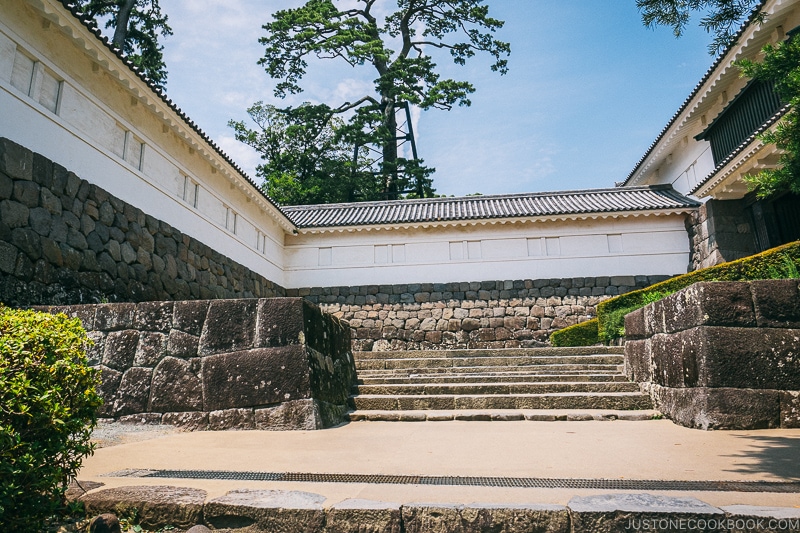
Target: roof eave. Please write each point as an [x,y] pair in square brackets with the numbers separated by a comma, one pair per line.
[494,221]
[741,155]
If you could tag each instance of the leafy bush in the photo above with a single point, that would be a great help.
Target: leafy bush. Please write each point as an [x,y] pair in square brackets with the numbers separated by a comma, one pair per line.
[582,334]
[780,262]
[613,324]
[48,406]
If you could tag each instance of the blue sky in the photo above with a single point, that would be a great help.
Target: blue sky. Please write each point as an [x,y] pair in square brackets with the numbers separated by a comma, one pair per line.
[588,90]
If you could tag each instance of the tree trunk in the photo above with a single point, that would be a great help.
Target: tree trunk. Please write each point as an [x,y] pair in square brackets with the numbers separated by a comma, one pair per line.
[121,28]
[390,174]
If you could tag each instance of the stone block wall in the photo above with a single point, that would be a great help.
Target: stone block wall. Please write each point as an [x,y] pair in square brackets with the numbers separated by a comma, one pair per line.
[488,314]
[274,363]
[719,231]
[66,241]
[721,355]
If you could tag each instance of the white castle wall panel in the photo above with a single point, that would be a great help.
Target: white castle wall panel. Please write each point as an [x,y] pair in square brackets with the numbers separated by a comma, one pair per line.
[653,245]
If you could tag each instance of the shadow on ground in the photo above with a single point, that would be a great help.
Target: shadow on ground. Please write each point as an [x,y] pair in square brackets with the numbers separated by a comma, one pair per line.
[779,456]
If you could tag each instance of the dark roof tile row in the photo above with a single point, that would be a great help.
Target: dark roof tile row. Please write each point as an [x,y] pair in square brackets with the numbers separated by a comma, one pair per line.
[592,201]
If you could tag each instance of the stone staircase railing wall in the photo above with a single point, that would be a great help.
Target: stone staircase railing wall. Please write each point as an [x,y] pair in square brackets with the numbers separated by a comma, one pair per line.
[66,241]
[487,314]
[721,355]
[275,363]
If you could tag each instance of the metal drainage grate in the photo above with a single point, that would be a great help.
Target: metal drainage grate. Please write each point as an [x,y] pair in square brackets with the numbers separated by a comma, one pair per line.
[475,481]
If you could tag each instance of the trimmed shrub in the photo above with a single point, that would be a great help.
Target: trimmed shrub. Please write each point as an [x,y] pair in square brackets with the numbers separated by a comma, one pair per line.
[582,334]
[779,262]
[48,408]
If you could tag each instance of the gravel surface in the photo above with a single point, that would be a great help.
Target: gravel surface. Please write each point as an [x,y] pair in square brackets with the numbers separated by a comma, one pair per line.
[113,433]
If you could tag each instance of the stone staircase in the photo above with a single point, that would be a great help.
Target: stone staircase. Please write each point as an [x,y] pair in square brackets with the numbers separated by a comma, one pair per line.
[511,384]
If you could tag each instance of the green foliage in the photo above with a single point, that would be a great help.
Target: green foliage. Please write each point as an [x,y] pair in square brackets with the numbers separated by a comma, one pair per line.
[613,324]
[398,48]
[582,334]
[781,66]
[722,18]
[48,406]
[777,262]
[137,25]
[302,150]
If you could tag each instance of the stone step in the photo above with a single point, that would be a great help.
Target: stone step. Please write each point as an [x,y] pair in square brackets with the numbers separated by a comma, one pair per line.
[453,362]
[496,377]
[544,369]
[563,400]
[492,388]
[563,370]
[536,415]
[505,352]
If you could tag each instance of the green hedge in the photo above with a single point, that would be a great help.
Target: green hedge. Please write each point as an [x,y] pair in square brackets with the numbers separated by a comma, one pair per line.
[582,334]
[780,262]
[48,407]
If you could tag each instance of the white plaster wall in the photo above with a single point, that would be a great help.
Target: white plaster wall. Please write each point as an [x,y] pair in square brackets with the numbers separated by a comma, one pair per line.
[643,245]
[92,139]
[687,167]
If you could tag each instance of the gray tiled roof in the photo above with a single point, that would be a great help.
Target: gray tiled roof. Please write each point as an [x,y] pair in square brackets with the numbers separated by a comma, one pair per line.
[621,199]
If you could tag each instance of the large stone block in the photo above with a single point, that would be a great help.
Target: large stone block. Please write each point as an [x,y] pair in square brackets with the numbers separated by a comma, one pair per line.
[749,518]
[280,322]
[674,358]
[133,391]
[181,344]
[623,513]
[653,318]
[638,360]
[120,349]
[330,376]
[113,317]
[477,518]
[107,390]
[157,506]
[175,387]
[267,510]
[790,409]
[634,325]
[86,313]
[720,408]
[291,415]
[189,316]
[363,516]
[709,303]
[229,326]
[250,378]
[151,348]
[228,419]
[758,358]
[188,421]
[154,316]
[777,303]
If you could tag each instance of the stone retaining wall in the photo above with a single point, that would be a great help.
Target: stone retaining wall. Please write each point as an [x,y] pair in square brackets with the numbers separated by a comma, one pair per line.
[488,314]
[276,363]
[66,241]
[721,355]
[719,231]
